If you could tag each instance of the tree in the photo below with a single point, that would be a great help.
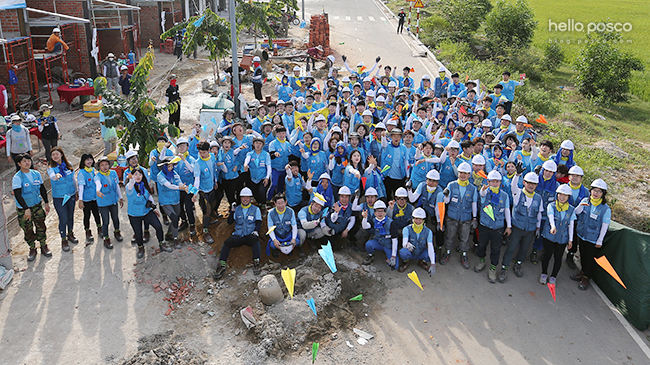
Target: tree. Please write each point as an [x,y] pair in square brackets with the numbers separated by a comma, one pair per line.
[463,17]
[255,15]
[603,71]
[510,25]
[146,126]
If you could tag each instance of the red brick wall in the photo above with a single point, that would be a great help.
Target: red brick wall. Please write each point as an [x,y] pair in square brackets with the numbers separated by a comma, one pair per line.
[150,27]
[9,19]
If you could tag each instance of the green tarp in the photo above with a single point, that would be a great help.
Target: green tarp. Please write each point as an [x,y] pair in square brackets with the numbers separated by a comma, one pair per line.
[628,251]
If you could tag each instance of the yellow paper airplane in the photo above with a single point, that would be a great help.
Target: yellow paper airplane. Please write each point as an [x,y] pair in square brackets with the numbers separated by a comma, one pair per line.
[271,229]
[289,277]
[413,276]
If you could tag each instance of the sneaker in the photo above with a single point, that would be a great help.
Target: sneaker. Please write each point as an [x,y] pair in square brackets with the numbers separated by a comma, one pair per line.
[533,257]
[183,226]
[405,265]
[177,243]
[464,262]
[107,243]
[165,220]
[576,277]
[208,239]
[72,238]
[32,254]
[256,267]
[584,283]
[503,275]
[89,237]
[221,269]
[118,236]
[164,247]
[140,253]
[45,251]
[480,265]
[551,280]
[492,275]
[368,260]
[517,269]
[64,245]
[570,261]
[168,236]
[133,241]
[446,256]
[543,279]
[146,236]
[192,230]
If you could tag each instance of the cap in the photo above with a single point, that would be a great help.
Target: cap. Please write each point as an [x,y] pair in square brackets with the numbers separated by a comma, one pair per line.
[257,59]
[15,118]
[442,69]
[367,112]
[168,160]
[129,154]
[321,117]
[379,205]
[360,64]
[172,76]
[433,175]
[600,184]
[123,67]
[182,140]
[564,189]
[478,160]
[381,99]
[255,139]
[331,58]
[438,146]
[522,119]
[506,117]
[401,193]
[426,77]
[296,68]
[464,167]
[550,165]
[494,175]
[324,175]
[576,170]
[453,144]
[486,123]
[344,191]
[102,159]
[567,145]
[246,192]
[532,178]
[419,213]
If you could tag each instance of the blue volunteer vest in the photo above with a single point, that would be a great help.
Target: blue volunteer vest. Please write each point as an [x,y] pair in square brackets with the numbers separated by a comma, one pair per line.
[283,225]
[420,242]
[590,223]
[167,196]
[499,220]
[137,203]
[87,180]
[428,201]
[245,221]
[342,221]
[109,189]
[206,180]
[561,236]
[525,218]
[460,207]
[385,239]
[30,191]
[402,220]
[294,190]
[63,186]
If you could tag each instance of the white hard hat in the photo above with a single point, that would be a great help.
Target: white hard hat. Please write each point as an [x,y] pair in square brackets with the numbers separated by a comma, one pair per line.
[286,249]
[464,167]
[345,78]
[506,117]
[257,59]
[564,189]
[246,192]
[214,144]
[345,191]
[419,213]
[129,154]
[318,201]
[346,89]
[324,175]
[280,102]
[56,30]
[371,191]
[486,123]
[296,68]
[320,117]
[367,112]
[110,55]
[392,84]
[382,91]
[599,183]
[182,140]
[379,205]
[550,165]
[392,122]
[360,64]
[331,58]
[433,175]
[576,170]
[123,67]
[380,125]
[381,99]
[453,144]
[522,119]
[478,160]
[426,77]
[494,175]
[531,177]
[567,144]
[367,79]
[442,69]
[401,193]
[370,93]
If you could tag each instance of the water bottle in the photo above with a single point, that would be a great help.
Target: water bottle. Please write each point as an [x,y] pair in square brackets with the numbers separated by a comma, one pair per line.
[131,58]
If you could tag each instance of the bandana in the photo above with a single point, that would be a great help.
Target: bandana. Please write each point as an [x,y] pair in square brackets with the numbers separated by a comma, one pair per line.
[526,153]
[379,225]
[16,127]
[185,154]
[530,195]
[539,155]
[246,206]
[401,210]
[314,151]
[494,196]
[205,159]
[89,169]
[63,168]
[160,146]
[561,207]
[477,178]
[140,187]
[105,173]
[574,187]
[417,228]
[430,189]
[596,202]
[280,212]
[510,176]
[462,183]
[168,174]
[549,185]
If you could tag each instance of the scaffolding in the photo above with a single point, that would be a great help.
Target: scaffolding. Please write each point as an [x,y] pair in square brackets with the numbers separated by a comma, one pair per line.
[19,58]
[104,13]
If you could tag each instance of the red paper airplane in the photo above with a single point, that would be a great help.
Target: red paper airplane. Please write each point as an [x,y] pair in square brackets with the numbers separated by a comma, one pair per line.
[551,288]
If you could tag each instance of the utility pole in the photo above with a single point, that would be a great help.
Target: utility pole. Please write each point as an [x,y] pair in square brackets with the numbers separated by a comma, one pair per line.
[235,62]
[303,9]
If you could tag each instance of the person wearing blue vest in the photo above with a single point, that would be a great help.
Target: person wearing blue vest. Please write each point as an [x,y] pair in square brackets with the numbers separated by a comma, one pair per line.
[285,91]
[248,222]
[288,118]
[284,237]
[132,162]
[441,83]
[384,235]
[205,180]
[185,169]
[558,233]
[527,208]
[194,139]
[594,217]
[340,219]
[546,189]
[461,198]
[417,244]
[578,192]
[394,160]
[257,77]
[449,163]
[425,162]
[564,155]
[161,151]
[363,235]
[455,88]
[428,196]
[311,222]
[169,187]
[279,150]
[494,223]
[64,188]
[400,210]
[88,195]
[295,184]
[295,81]
[141,208]
[316,158]
[228,170]
[225,125]
[258,163]
[509,89]
[28,190]
[109,194]
[374,178]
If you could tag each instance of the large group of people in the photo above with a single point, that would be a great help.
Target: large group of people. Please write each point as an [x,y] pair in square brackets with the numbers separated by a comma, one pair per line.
[419,172]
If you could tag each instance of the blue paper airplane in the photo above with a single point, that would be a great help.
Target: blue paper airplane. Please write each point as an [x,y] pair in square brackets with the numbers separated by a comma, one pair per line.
[328,256]
[130,117]
[193,190]
[312,305]
[66,197]
[199,21]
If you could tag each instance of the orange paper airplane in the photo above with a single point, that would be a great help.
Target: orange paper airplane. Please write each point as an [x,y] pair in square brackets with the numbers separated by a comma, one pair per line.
[482,174]
[441,210]
[604,263]
[541,119]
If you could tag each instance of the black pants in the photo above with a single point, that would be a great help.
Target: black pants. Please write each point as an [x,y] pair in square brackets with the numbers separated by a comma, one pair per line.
[150,219]
[207,201]
[391,186]
[574,247]
[552,249]
[187,208]
[230,188]
[588,252]
[508,106]
[313,63]
[259,191]
[236,241]
[91,207]
[493,238]
[49,144]
[113,213]
[400,26]
[257,88]
[175,118]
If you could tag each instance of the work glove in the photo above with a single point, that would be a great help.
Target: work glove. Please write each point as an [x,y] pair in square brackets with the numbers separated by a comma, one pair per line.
[344,58]
[328,231]
[409,184]
[538,169]
[446,192]
[392,261]
[474,223]
[520,168]
[410,247]
[537,232]
[357,194]
[378,59]
[432,269]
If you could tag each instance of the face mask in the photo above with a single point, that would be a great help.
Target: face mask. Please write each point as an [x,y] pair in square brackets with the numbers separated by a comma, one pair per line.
[442,75]
[16,127]
[46,113]
[172,82]
[160,145]
[111,58]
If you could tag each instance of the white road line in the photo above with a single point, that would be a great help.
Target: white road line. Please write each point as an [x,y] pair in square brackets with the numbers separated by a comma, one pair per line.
[347,18]
[336,17]
[635,336]
[371,19]
[382,18]
[359,18]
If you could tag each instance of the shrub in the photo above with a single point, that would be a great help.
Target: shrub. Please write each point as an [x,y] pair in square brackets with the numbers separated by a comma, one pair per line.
[536,101]
[435,30]
[553,57]
[640,85]
[510,25]
[463,17]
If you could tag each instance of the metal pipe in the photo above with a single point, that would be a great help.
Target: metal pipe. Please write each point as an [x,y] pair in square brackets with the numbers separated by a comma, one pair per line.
[61,15]
[235,62]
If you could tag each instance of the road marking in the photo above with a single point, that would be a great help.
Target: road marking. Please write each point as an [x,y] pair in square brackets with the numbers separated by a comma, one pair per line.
[347,18]
[371,19]
[336,17]
[360,18]
[382,18]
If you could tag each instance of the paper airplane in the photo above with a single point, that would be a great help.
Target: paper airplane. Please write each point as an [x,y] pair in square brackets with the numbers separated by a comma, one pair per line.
[328,256]
[358,298]
[271,229]
[363,181]
[414,276]
[314,351]
[66,197]
[130,117]
[312,305]
[247,317]
[489,211]
[551,288]
[604,263]
[193,190]
[541,119]
[320,196]
[386,168]
[289,277]
[441,210]
[482,174]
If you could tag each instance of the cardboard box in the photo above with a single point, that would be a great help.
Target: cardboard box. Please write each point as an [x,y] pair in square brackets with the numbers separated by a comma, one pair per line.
[92,108]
